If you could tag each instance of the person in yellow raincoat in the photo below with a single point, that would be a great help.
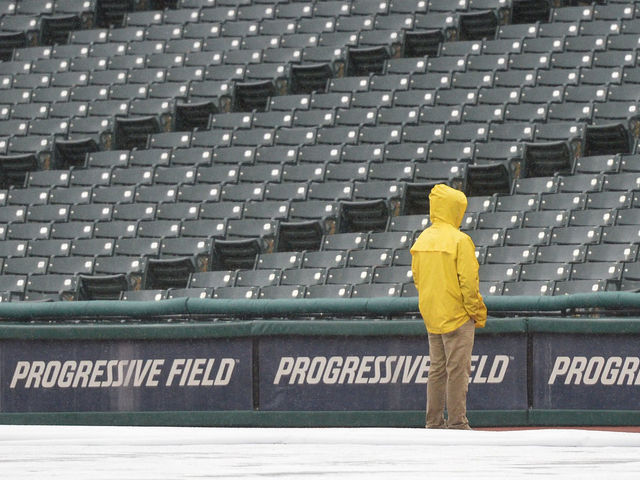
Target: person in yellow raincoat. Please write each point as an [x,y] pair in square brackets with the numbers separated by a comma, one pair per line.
[445,272]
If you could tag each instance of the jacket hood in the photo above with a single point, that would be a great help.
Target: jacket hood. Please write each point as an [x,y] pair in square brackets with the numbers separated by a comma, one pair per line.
[447,205]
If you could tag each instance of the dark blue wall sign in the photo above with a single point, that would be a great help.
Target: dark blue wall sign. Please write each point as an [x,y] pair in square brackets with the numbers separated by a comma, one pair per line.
[382,373]
[574,371]
[72,376]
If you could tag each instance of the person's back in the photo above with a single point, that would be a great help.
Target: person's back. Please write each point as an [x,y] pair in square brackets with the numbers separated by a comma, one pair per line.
[445,269]
[445,272]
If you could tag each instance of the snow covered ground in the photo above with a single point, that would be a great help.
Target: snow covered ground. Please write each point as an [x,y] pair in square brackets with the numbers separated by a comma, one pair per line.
[56,452]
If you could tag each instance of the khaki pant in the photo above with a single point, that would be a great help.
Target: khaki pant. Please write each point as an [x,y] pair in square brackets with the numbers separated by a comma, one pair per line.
[448,381]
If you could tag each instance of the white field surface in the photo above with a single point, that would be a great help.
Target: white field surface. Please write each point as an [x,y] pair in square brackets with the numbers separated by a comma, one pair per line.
[68,452]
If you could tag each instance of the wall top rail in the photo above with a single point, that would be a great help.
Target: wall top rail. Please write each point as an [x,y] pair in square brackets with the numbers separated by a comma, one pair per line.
[343,307]
[192,330]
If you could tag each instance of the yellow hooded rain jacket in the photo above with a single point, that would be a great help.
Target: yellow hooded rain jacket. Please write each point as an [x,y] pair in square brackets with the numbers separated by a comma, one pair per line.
[445,269]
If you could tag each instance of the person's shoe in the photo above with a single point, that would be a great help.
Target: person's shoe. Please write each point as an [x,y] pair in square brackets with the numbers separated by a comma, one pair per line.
[463,426]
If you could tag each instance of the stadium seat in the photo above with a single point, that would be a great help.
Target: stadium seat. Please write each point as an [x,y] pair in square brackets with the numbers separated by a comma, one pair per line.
[304,276]
[483,179]
[547,158]
[258,278]
[569,287]
[85,247]
[607,201]
[143,295]
[500,272]
[510,255]
[562,201]
[237,253]
[530,287]
[282,291]
[70,265]
[532,236]
[300,235]
[281,260]
[364,215]
[372,257]
[55,286]
[198,250]
[553,218]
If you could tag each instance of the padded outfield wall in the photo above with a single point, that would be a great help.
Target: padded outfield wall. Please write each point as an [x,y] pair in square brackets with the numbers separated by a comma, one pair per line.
[282,363]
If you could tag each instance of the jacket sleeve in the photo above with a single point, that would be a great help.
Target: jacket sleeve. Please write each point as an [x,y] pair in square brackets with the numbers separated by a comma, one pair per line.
[414,269]
[467,266]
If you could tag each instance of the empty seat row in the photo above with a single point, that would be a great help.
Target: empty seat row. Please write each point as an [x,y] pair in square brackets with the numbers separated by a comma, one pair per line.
[569,202]
[121,99]
[611,272]
[71,84]
[68,286]
[541,236]
[553,218]
[277,292]
[539,288]
[112,194]
[576,27]
[617,192]
[542,279]
[567,253]
[424,125]
[153,238]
